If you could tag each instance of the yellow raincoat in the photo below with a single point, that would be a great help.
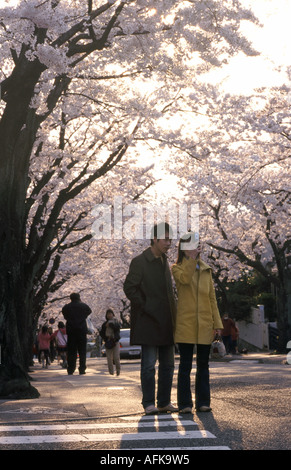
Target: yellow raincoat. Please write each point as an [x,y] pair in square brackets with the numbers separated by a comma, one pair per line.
[197,312]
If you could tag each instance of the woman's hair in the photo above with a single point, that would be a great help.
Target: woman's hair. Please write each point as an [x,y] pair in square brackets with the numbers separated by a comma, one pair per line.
[44,329]
[190,237]
[181,253]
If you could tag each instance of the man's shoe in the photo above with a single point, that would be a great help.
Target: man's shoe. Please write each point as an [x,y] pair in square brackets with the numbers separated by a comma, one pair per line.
[188,409]
[204,408]
[151,410]
[169,408]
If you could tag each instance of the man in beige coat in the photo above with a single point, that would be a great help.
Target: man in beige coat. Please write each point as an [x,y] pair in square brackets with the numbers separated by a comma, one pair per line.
[197,319]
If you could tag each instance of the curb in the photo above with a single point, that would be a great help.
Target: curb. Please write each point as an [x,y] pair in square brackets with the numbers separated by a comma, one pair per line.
[257,357]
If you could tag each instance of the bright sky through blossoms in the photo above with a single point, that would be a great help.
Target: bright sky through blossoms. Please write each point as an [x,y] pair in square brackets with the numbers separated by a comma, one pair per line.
[243,74]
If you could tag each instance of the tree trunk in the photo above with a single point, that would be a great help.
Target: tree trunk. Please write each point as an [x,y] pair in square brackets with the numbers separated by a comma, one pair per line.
[15,314]
[284,314]
[15,334]
[17,130]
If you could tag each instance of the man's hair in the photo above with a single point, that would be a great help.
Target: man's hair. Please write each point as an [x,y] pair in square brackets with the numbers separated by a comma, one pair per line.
[74,296]
[159,231]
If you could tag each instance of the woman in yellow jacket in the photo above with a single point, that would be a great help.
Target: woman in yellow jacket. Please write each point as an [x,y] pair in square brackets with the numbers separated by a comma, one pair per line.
[197,319]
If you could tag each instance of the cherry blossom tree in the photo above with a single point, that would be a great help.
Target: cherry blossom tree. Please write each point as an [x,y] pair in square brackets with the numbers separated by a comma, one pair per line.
[241,177]
[81,84]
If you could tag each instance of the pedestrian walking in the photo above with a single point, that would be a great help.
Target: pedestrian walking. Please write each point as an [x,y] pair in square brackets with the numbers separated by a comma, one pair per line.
[148,286]
[44,339]
[197,319]
[228,327]
[75,313]
[110,333]
[61,338]
[234,333]
[52,345]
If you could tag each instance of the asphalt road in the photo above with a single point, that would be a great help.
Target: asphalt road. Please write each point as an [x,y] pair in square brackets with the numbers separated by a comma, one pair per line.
[251,404]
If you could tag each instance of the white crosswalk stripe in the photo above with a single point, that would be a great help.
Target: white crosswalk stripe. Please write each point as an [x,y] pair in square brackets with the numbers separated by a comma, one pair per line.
[162,430]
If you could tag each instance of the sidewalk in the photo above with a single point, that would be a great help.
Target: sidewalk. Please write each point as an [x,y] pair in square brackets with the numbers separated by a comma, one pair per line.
[66,397]
[260,357]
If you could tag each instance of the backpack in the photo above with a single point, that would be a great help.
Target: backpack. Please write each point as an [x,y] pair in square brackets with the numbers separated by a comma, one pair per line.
[61,339]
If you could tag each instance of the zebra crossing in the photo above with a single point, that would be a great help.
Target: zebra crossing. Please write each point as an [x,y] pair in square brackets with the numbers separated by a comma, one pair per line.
[161,432]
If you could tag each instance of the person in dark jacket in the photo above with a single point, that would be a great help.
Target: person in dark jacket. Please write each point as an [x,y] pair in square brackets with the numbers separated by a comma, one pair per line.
[110,333]
[76,313]
[228,325]
[148,286]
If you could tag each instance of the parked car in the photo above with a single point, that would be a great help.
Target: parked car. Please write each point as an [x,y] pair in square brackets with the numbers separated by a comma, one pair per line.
[126,349]
[91,348]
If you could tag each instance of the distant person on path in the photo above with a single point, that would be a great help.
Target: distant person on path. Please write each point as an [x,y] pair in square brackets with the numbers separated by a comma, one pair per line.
[52,345]
[44,340]
[228,327]
[62,343]
[197,320]
[110,333]
[234,339]
[75,313]
[148,286]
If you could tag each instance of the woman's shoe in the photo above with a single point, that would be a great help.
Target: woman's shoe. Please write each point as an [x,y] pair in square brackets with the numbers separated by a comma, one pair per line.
[204,408]
[151,410]
[186,410]
[171,408]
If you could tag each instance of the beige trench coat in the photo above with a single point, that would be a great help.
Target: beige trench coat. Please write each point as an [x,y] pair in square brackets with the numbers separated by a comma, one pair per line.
[197,312]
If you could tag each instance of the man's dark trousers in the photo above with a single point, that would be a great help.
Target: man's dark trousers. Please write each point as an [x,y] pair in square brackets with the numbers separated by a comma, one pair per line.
[77,343]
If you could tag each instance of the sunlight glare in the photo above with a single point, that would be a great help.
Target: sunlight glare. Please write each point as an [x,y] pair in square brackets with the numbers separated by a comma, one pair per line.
[243,74]
[10,3]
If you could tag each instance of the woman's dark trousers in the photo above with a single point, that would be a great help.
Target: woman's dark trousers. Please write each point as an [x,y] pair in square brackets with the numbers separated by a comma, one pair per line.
[202,387]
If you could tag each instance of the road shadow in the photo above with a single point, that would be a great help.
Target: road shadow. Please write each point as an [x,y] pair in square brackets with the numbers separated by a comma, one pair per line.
[226,435]
[167,432]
